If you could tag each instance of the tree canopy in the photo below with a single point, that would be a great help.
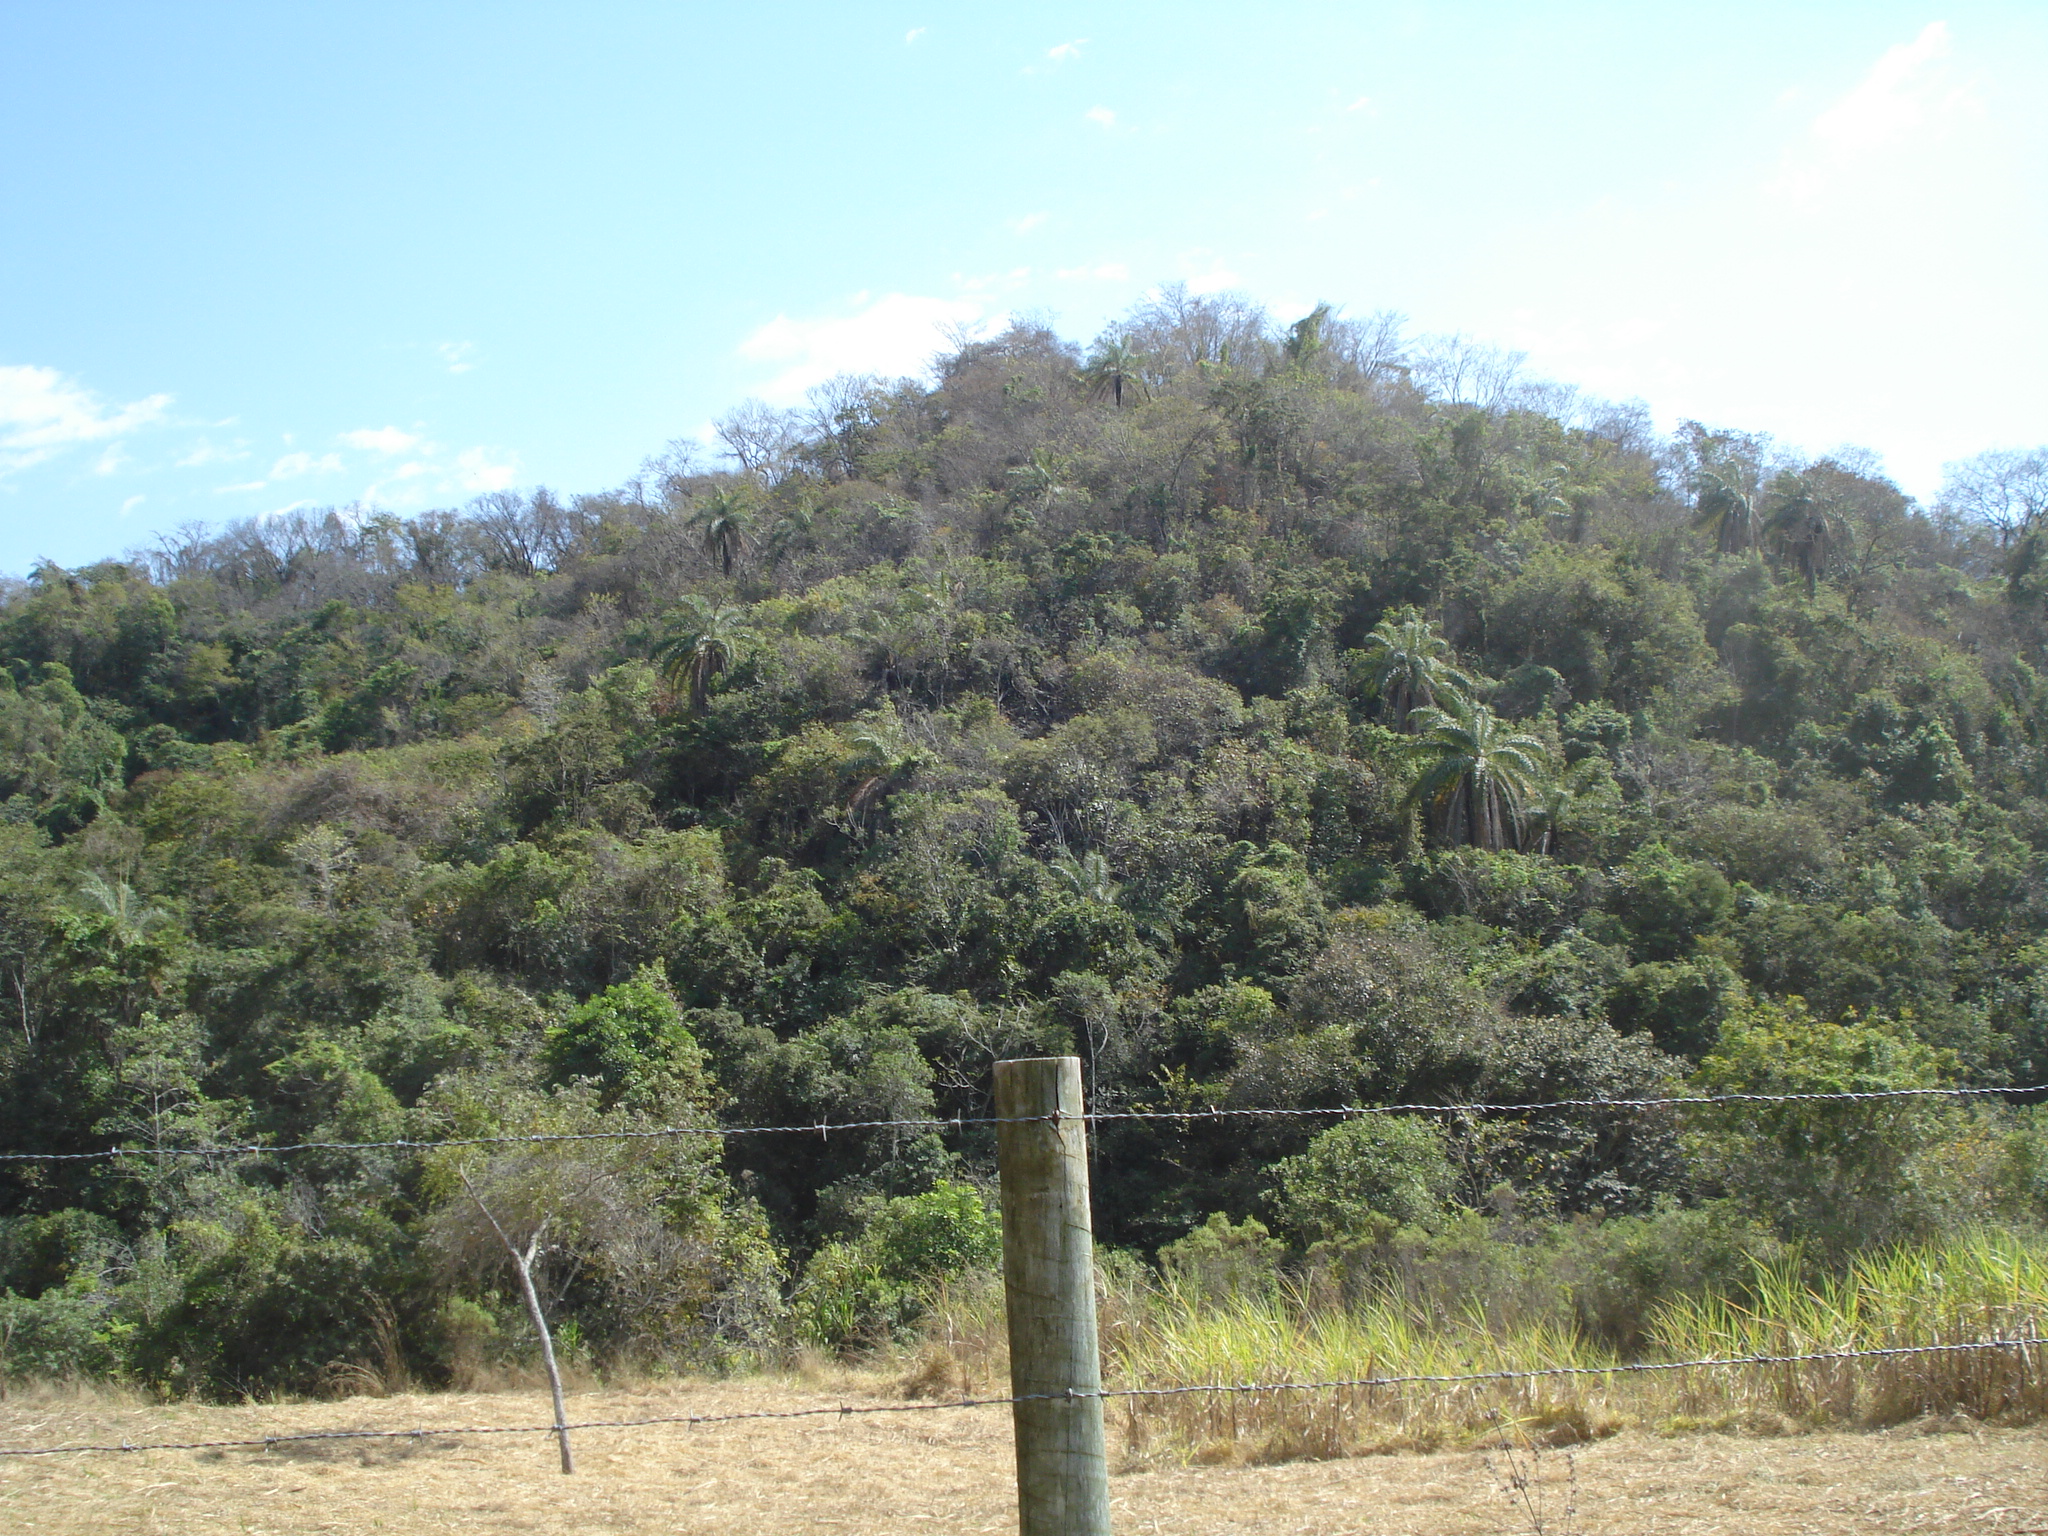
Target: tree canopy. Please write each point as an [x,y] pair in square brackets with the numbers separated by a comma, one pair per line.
[1276,715]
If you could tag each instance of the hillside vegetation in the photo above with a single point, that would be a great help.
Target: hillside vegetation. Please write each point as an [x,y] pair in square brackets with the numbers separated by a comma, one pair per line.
[1273,716]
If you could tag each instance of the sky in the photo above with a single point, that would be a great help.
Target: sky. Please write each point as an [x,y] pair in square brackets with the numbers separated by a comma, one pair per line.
[256,257]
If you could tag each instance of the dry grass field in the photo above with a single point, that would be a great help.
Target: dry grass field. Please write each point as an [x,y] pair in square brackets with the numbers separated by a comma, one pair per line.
[948,1472]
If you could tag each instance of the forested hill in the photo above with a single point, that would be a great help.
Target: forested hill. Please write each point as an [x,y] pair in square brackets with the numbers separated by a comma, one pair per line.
[1275,715]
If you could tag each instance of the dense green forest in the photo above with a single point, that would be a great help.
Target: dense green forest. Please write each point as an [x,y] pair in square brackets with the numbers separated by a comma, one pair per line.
[1273,715]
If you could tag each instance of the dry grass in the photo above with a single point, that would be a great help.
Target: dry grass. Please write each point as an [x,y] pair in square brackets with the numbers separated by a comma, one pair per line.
[950,1472]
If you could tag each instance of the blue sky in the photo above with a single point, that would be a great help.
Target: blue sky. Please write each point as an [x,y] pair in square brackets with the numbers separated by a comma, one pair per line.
[257,256]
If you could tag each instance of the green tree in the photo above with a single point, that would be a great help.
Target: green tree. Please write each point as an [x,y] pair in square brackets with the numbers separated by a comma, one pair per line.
[632,1041]
[702,641]
[1725,510]
[1838,1175]
[1406,666]
[1379,1170]
[1478,775]
[1113,368]
[724,520]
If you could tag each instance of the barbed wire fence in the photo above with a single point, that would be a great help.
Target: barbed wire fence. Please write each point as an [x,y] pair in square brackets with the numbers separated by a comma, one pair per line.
[852,1411]
[2021,1346]
[961,1122]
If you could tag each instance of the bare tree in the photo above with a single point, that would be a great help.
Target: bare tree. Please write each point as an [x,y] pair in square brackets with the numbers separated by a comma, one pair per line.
[841,417]
[1367,351]
[627,1229]
[763,440]
[521,534]
[522,1264]
[1182,331]
[2004,489]
[1460,371]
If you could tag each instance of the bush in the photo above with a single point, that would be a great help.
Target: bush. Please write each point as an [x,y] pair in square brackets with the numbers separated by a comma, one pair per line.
[1218,1261]
[632,1040]
[1836,1175]
[868,1289]
[64,1333]
[269,1311]
[1362,1176]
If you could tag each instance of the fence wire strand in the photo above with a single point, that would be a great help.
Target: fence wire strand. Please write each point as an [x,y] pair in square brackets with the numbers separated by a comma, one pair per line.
[961,1122]
[850,1411]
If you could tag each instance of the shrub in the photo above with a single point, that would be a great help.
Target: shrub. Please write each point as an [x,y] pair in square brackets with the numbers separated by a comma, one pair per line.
[1362,1175]
[1837,1175]
[1218,1261]
[67,1332]
[867,1289]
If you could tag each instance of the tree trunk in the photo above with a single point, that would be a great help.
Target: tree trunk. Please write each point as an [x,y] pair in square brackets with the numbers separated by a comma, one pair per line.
[547,1348]
[523,1263]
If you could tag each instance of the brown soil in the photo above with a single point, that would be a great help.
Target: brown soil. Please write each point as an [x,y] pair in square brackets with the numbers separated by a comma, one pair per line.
[947,1472]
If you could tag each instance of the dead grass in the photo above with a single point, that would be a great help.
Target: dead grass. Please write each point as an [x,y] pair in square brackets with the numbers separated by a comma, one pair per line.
[950,1472]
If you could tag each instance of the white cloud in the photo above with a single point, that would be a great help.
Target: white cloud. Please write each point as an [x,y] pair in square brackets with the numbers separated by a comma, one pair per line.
[239,486]
[484,469]
[112,460]
[205,452]
[1028,223]
[1908,98]
[1216,278]
[1892,99]
[1101,115]
[1363,104]
[914,34]
[293,465]
[389,441]
[425,474]
[131,504]
[42,413]
[1106,272]
[1061,52]
[993,282]
[894,335]
[457,354]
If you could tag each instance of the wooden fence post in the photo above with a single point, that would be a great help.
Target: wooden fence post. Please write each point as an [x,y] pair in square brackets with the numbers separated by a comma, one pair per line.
[1049,1294]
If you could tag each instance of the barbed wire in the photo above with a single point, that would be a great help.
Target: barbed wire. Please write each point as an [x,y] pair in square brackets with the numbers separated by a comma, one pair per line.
[961,1122]
[1551,1104]
[849,1411]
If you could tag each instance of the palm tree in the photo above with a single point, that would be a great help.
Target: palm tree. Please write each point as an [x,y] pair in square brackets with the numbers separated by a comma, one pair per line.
[130,919]
[1478,774]
[1113,367]
[1805,528]
[1555,806]
[725,519]
[886,757]
[1406,665]
[1042,479]
[1728,510]
[701,642]
[795,530]
[1556,498]
[1087,877]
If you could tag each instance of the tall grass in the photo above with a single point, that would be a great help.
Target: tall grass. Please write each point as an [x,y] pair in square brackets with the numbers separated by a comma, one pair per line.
[1285,1335]
[1972,1288]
